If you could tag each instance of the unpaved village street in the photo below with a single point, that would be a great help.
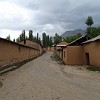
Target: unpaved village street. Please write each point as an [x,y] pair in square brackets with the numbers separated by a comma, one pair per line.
[44,79]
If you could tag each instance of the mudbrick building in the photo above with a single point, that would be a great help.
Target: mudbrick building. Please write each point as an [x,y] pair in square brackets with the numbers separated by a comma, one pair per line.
[82,51]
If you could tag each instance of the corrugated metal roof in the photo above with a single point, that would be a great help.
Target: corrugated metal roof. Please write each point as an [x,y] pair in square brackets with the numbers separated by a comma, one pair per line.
[92,40]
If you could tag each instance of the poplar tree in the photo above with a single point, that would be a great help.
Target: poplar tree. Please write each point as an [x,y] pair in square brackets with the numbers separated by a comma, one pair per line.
[89,21]
[30,35]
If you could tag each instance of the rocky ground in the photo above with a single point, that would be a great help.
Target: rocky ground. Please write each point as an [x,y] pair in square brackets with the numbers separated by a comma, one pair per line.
[45,79]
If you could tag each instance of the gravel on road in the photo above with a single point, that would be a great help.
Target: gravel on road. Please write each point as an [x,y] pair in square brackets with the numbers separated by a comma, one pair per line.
[45,79]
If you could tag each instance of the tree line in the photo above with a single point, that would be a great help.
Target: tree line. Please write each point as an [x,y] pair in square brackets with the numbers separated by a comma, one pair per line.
[23,37]
[92,31]
[49,41]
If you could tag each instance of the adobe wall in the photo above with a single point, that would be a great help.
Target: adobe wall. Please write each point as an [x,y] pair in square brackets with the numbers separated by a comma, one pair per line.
[48,49]
[51,49]
[27,42]
[73,55]
[65,55]
[33,44]
[60,54]
[93,49]
[12,51]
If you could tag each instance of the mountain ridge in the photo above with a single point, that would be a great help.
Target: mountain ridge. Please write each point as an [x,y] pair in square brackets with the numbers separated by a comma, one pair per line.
[73,32]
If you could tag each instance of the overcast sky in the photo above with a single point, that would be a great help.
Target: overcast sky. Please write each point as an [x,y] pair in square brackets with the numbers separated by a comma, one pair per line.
[50,16]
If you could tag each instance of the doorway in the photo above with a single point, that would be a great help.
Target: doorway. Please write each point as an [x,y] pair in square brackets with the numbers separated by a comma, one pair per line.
[87,58]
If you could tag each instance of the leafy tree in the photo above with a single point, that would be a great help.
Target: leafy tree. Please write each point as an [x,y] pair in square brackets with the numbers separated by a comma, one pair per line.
[57,39]
[13,40]
[95,31]
[78,35]
[21,37]
[39,40]
[18,40]
[23,34]
[37,36]
[92,31]
[72,38]
[30,35]
[34,39]
[8,37]
[89,21]
[50,42]
[47,40]
[44,40]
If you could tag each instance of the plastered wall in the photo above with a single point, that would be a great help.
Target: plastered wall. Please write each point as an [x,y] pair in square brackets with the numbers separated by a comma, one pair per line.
[73,55]
[10,51]
[93,49]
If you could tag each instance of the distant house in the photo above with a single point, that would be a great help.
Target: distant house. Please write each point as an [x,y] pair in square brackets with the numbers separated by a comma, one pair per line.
[73,52]
[83,51]
[52,48]
[59,48]
[61,45]
[91,54]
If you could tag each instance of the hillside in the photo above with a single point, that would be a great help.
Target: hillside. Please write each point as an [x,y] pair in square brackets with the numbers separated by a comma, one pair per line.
[73,32]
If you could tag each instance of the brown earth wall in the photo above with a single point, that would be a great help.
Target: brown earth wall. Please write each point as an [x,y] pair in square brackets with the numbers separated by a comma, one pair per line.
[93,51]
[73,55]
[12,51]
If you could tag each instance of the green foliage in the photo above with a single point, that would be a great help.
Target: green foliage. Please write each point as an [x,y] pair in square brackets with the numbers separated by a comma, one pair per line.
[8,37]
[47,41]
[78,35]
[39,40]
[18,40]
[72,38]
[37,36]
[89,21]
[30,35]
[13,40]
[21,37]
[55,57]
[93,68]
[57,39]
[93,31]
[50,42]
[44,40]
[34,39]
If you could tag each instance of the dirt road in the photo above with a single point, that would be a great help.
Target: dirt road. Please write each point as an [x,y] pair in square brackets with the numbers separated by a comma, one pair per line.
[44,79]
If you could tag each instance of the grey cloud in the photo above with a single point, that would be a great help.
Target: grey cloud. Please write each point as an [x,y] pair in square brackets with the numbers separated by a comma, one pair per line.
[61,15]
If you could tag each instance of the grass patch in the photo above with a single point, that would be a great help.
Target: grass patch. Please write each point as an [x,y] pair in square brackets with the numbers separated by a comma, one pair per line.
[93,68]
[55,57]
